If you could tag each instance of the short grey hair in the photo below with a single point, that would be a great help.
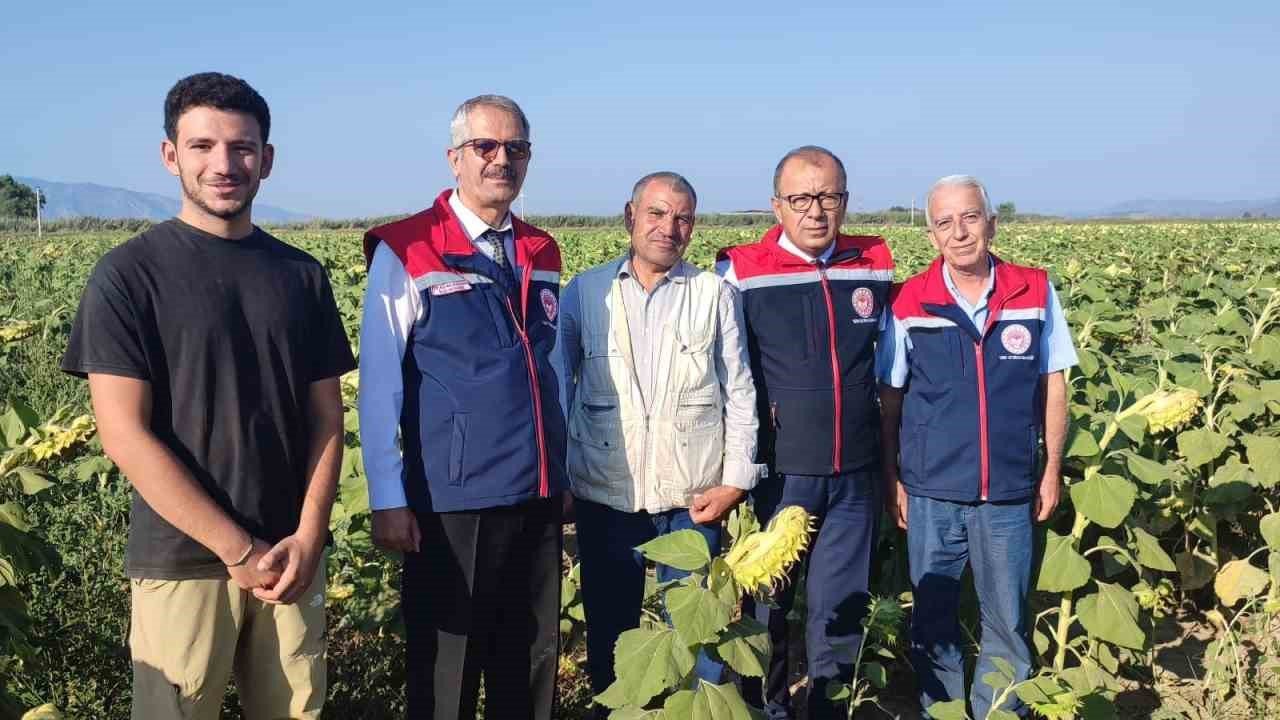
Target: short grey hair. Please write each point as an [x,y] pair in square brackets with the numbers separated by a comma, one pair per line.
[676,180]
[957,181]
[458,126]
[809,152]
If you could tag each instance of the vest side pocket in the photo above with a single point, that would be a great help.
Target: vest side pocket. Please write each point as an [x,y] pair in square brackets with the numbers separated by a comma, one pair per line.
[597,450]
[457,448]
[697,463]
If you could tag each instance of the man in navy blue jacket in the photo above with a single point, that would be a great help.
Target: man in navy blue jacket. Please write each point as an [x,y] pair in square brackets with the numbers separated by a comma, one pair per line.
[814,301]
[971,372]
[463,438]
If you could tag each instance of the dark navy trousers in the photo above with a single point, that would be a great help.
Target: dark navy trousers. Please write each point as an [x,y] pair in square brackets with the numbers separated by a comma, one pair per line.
[836,589]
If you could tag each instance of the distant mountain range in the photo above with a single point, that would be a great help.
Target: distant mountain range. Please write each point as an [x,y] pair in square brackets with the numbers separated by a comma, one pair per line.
[1189,208]
[92,200]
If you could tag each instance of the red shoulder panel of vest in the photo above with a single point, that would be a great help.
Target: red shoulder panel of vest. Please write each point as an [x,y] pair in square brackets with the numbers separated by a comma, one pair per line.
[1016,287]
[767,257]
[874,250]
[1013,277]
[535,247]
[421,240]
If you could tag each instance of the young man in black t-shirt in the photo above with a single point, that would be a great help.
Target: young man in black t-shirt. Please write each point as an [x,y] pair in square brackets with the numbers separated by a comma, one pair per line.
[213,352]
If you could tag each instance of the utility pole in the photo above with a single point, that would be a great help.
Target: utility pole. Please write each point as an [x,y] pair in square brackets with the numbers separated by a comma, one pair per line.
[522,215]
[39,223]
[913,211]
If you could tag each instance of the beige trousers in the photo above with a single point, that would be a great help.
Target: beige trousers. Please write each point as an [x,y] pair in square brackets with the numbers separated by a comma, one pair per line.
[188,637]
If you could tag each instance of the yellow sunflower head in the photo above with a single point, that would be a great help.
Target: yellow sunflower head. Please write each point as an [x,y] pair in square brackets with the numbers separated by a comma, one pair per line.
[760,561]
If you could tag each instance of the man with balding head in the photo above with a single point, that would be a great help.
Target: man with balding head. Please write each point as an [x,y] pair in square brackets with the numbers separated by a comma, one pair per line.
[814,301]
[661,410]
[972,378]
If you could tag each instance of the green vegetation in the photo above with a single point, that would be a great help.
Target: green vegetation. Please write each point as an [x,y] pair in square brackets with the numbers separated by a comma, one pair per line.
[1158,595]
[17,200]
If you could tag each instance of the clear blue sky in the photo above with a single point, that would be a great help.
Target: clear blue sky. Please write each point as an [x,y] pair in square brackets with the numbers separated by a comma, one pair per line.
[1067,106]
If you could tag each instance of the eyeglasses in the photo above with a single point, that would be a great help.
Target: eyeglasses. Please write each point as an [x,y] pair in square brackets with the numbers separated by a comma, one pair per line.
[487,148]
[827,201]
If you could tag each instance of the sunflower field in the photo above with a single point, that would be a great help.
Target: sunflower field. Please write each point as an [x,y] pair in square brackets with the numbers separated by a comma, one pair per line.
[1157,592]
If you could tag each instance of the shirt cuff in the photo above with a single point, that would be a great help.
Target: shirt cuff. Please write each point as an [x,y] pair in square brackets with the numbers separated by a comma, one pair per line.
[744,476]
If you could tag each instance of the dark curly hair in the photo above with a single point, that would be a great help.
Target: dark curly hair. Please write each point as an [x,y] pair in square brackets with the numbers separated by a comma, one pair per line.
[218,91]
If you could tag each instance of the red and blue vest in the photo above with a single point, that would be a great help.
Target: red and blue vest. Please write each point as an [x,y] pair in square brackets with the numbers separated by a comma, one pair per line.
[972,412]
[481,425]
[811,331]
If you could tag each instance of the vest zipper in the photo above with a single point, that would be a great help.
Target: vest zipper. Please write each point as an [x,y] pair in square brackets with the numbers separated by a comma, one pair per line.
[544,489]
[835,367]
[984,478]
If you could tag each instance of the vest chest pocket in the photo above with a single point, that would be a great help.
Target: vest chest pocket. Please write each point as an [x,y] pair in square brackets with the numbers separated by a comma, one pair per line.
[941,356]
[602,371]
[698,409]
[691,360]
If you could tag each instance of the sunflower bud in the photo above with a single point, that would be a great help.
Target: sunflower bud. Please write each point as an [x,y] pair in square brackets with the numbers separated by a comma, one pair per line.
[760,561]
[54,439]
[1167,409]
[18,330]
[1064,706]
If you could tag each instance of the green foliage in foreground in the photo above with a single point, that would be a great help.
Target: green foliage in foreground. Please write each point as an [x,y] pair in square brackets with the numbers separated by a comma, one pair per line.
[1167,516]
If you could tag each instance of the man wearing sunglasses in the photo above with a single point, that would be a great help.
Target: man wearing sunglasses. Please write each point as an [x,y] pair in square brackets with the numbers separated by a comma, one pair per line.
[463,437]
[814,301]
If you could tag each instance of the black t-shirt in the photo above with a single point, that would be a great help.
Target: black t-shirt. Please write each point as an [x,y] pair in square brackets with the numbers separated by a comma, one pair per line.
[230,334]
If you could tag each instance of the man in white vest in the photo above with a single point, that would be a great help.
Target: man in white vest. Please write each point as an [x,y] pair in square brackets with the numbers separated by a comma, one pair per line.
[661,409]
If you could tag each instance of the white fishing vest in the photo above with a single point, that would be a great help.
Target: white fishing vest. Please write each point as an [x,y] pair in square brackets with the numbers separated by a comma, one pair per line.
[635,453]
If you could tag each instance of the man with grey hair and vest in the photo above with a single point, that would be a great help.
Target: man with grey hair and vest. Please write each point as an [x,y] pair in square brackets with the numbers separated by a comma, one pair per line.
[971,379]
[660,406]
[463,438]
[814,301]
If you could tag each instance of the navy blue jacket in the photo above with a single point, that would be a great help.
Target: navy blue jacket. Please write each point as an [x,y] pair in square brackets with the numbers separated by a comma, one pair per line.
[481,425]
[972,410]
[811,331]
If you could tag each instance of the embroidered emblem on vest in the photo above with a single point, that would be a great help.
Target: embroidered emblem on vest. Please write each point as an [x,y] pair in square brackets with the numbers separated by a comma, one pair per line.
[864,303]
[1016,339]
[450,288]
[550,305]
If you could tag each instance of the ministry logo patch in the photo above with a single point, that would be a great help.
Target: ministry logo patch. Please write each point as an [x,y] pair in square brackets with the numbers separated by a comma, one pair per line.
[864,302]
[550,306]
[1016,339]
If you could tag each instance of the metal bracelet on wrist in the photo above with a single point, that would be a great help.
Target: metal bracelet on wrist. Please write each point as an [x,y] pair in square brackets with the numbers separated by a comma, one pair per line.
[243,557]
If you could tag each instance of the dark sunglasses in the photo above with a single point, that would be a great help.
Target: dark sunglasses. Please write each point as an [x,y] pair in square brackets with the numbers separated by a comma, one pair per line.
[487,148]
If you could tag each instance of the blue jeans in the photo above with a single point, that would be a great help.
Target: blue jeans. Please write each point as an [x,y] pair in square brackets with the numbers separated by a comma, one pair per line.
[995,540]
[836,586]
[613,578]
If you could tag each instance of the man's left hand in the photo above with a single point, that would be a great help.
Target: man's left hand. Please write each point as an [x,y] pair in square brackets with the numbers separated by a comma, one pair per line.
[296,558]
[1047,496]
[707,508]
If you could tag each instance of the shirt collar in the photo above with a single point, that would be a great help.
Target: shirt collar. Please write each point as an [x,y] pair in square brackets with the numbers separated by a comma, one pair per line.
[986,291]
[679,273]
[471,223]
[785,243]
